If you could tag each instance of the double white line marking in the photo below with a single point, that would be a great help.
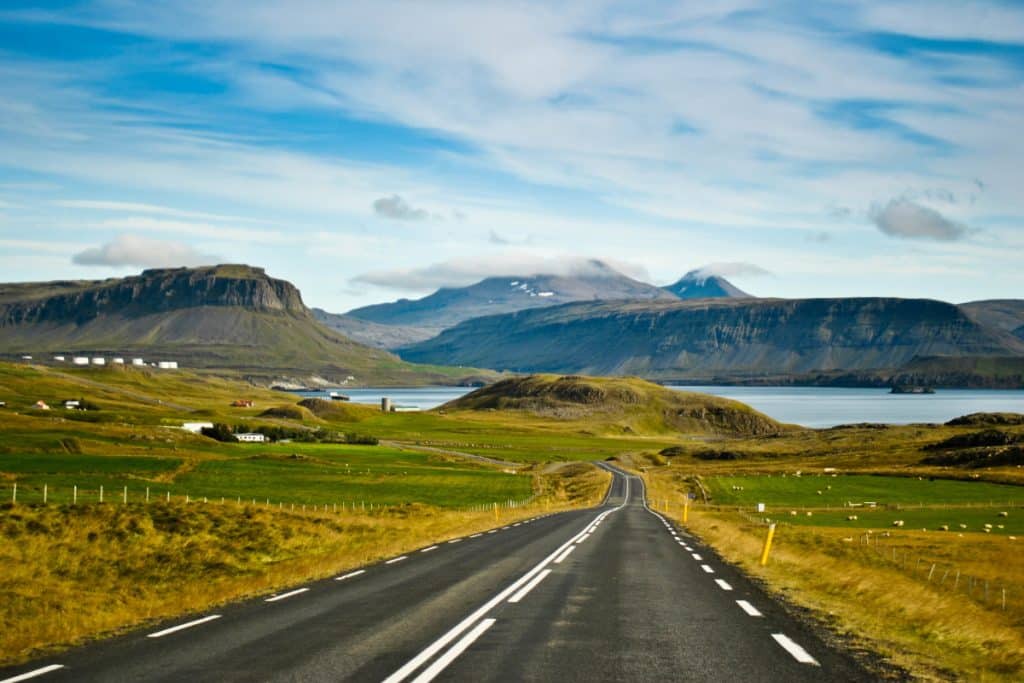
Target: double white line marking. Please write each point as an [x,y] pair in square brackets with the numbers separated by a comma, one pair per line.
[473,624]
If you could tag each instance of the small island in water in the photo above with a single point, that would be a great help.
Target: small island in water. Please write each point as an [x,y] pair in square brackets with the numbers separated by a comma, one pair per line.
[902,389]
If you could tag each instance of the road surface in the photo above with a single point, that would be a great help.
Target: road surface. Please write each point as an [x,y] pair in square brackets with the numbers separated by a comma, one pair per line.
[615,593]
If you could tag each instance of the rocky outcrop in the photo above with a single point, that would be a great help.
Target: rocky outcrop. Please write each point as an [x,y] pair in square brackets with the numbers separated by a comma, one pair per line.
[154,291]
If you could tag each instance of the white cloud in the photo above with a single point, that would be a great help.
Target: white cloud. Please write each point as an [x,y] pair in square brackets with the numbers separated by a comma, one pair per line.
[138,207]
[131,250]
[732,269]
[904,218]
[467,271]
[199,229]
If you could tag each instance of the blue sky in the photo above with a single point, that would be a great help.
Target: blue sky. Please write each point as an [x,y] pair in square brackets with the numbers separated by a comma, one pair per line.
[368,151]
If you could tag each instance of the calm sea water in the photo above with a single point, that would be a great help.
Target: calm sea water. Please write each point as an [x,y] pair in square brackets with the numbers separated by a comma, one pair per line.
[808,406]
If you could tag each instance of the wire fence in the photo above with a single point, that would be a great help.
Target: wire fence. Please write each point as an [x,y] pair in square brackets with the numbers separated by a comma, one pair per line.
[44,494]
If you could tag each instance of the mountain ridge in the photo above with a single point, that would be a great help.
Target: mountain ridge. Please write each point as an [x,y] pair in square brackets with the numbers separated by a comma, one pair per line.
[717,338]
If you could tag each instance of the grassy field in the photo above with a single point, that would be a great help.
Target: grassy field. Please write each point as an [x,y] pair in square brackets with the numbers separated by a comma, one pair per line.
[823,490]
[930,601]
[288,473]
[78,571]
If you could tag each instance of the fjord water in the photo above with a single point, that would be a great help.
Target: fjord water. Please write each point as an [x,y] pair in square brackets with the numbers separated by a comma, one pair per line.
[808,406]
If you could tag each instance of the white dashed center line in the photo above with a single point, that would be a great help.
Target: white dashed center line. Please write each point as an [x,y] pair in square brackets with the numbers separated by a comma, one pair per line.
[798,653]
[697,557]
[707,569]
[529,586]
[565,554]
[442,662]
[724,585]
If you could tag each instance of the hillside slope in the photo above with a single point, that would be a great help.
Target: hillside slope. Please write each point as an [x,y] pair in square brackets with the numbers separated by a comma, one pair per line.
[717,339]
[620,402]
[229,317]
[1004,314]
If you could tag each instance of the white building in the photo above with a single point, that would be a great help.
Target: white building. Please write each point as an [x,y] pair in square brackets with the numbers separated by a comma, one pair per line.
[80,360]
[138,361]
[59,359]
[168,365]
[251,437]
[196,427]
[119,361]
[99,360]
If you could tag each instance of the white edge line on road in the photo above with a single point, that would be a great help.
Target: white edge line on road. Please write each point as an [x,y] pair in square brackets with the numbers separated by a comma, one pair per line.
[707,568]
[455,540]
[452,633]
[749,609]
[397,559]
[476,535]
[798,653]
[289,594]
[530,586]
[179,627]
[724,585]
[492,531]
[457,649]
[350,575]
[33,674]
[427,550]
[558,560]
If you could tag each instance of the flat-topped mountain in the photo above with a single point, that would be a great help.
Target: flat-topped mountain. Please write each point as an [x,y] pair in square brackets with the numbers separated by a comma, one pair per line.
[697,285]
[717,339]
[226,317]
[1004,314]
[448,306]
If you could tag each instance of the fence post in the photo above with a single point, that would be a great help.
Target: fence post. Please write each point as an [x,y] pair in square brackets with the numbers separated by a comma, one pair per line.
[101,493]
[686,511]
[767,544]
[44,494]
[495,512]
[168,496]
[14,495]
[74,496]
[147,494]
[125,499]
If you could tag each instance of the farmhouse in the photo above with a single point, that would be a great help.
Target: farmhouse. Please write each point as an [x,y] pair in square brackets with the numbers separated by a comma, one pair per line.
[167,364]
[241,403]
[80,360]
[72,405]
[196,427]
[251,437]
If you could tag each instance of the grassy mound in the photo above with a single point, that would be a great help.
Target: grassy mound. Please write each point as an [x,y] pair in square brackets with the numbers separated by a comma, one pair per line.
[628,404]
[288,412]
[335,411]
[987,419]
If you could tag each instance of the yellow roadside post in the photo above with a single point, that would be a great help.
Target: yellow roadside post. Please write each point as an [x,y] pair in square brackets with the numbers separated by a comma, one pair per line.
[495,512]
[767,544]
[686,510]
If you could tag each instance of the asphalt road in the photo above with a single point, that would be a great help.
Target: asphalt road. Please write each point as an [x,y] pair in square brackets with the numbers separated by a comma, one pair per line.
[613,593]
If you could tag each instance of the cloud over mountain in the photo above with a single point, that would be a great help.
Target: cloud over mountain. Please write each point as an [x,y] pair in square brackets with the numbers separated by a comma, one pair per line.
[131,250]
[397,209]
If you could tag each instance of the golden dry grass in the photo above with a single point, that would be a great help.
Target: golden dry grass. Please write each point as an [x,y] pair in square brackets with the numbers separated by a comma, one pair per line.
[75,572]
[924,628]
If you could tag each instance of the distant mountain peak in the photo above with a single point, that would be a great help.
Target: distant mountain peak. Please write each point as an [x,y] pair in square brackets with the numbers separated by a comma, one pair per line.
[700,284]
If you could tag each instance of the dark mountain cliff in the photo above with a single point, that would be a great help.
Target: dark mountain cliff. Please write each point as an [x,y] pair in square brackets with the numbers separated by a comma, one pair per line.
[717,339]
[154,291]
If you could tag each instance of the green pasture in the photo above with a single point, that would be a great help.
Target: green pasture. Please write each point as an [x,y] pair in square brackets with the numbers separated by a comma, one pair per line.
[820,491]
[288,473]
[973,519]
